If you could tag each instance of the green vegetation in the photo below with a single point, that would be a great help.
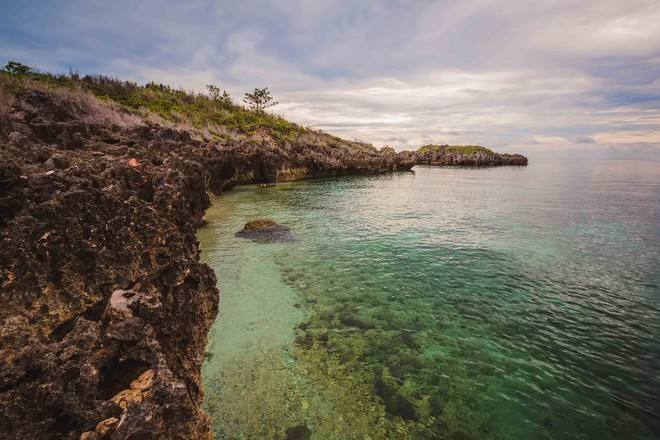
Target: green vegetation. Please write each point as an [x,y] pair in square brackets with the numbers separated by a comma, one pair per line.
[15,68]
[464,149]
[259,100]
[222,98]
[215,111]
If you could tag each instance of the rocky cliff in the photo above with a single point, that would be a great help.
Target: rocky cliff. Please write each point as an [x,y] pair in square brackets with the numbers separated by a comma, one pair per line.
[105,307]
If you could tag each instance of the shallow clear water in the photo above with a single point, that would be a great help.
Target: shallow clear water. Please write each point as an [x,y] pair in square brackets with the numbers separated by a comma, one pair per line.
[506,303]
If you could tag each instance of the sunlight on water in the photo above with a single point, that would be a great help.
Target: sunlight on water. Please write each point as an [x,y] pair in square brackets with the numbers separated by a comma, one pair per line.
[506,303]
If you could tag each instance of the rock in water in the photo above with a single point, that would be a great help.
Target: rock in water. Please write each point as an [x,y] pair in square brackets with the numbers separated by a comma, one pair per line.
[260,224]
[299,432]
[265,230]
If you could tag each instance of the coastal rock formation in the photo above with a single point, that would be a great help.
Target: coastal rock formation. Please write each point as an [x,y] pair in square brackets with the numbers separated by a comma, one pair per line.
[264,160]
[100,278]
[465,155]
[265,230]
[261,224]
[105,306]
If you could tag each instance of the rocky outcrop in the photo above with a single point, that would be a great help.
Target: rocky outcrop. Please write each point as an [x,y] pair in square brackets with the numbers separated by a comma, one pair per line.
[105,306]
[260,224]
[265,230]
[100,279]
[447,155]
[264,160]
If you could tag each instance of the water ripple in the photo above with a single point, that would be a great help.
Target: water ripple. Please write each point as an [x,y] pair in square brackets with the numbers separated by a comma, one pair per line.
[502,303]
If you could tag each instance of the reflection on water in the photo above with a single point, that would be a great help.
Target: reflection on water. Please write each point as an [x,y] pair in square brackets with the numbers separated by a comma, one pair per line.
[461,303]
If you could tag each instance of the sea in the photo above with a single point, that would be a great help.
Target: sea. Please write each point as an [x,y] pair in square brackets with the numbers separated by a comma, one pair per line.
[442,303]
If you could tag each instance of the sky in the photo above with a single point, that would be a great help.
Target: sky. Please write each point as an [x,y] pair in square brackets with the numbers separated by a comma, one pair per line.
[559,78]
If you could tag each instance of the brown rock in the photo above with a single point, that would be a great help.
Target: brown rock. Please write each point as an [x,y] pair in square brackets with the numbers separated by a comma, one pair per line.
[265,230]
[126,398]
[107,425]
[144,382]
[259,224]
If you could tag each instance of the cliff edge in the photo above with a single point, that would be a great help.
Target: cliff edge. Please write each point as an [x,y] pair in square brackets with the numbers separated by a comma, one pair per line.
[105,307]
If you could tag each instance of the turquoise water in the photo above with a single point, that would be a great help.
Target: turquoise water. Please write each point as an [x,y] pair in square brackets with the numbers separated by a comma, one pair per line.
[504,303]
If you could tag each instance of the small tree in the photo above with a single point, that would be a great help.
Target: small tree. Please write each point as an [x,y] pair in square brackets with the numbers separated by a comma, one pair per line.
[259,100]
[215,94]
[16,68]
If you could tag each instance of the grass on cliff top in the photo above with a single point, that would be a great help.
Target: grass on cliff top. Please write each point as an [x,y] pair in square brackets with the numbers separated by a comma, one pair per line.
[175,105]
[465,149]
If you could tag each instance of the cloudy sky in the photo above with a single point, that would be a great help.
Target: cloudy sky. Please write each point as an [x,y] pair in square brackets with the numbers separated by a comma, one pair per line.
[530,76]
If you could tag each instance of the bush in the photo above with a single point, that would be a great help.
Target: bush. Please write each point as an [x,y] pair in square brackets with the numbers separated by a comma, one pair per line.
[222,98]
[212,111]
[16,68]
[259,100]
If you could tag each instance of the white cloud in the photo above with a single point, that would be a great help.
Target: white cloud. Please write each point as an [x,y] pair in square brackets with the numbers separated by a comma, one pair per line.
[548,74]
[628,137]
[599,28]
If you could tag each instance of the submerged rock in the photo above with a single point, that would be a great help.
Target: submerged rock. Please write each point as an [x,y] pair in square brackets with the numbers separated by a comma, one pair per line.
[299,432]
[265,230]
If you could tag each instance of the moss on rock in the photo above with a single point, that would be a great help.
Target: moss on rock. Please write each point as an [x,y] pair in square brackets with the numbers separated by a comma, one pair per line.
[259,224]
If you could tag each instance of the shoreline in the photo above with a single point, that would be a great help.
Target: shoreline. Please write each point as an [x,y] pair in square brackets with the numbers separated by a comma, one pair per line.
[248,347]
[100,207]
[108,209]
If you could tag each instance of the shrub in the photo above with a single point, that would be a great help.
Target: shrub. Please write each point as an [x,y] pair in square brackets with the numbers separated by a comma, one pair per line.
[16,68]
[213,111]
[259,100]
[222,98]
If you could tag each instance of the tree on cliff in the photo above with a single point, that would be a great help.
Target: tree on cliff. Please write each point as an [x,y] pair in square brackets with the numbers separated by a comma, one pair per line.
[259,100]
[221,97]
[16,68]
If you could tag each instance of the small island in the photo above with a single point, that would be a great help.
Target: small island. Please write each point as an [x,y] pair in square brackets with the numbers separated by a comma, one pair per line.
[465,155]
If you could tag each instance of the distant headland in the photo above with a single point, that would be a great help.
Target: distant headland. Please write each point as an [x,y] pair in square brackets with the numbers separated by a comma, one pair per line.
[465,155]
